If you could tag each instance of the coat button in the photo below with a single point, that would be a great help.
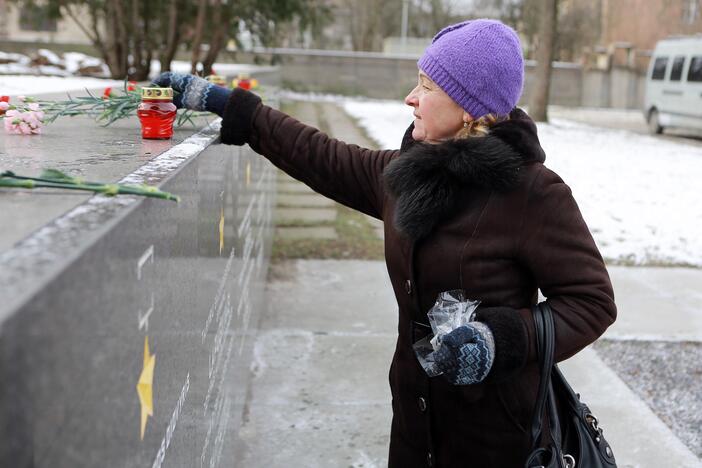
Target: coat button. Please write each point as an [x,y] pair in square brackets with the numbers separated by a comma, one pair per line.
[429,461]
[408,286]
[422,404]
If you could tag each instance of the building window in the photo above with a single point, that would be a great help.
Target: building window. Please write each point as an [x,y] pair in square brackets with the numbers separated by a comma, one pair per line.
[691,11]
[36,18]
[695,73]
[677,68]
[659,68]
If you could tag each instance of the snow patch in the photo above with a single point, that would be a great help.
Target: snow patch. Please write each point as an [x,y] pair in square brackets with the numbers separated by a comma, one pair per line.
[639,194]
[11,85]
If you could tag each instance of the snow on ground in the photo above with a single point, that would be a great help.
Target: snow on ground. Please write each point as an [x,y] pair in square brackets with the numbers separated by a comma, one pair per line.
[16,85]
[73,61]
[640,195]
[70,64]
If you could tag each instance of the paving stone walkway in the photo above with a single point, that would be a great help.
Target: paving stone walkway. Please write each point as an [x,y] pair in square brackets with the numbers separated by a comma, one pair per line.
[324,345]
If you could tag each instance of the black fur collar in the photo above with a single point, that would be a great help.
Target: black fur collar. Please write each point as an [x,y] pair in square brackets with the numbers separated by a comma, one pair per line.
[426,179]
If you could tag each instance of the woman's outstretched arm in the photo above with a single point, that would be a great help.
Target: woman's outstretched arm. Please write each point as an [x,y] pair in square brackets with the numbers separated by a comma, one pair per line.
[343,172]
[346,173]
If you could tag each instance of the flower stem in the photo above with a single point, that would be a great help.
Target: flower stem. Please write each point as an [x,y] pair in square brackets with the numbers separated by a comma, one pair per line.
[11,180]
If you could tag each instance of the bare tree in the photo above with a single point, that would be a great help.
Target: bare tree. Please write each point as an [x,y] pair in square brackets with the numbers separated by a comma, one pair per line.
[129,33]
[220,26]
[169,47]
[365,24]
[125,33]
[578,27]
[544,56]
[199,31]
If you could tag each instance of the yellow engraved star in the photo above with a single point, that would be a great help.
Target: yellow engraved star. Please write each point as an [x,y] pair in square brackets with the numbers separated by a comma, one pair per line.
[145,386]
[221,230]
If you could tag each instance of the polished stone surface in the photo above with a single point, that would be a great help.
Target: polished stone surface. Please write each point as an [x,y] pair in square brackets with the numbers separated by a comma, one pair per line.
[97,289]
[80,147]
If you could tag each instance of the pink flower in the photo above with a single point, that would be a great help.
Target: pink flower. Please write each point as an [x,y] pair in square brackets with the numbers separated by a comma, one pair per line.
[21,98]
[33,106]
[31,120]
[4,105]
[23,123]
[8,124]
[13,125]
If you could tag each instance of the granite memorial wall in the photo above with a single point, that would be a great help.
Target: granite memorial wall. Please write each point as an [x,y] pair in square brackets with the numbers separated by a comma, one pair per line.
[126,324]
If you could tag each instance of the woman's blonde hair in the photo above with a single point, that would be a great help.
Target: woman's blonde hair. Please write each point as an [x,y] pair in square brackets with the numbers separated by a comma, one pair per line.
[480,127]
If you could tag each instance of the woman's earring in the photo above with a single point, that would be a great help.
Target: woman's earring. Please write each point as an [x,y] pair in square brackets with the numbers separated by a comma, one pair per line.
[465,124]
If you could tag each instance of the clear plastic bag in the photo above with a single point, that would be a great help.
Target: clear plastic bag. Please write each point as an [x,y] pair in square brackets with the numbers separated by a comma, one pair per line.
[451,310]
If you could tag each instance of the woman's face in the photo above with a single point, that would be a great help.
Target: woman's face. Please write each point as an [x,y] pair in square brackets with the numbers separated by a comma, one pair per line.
[436,116]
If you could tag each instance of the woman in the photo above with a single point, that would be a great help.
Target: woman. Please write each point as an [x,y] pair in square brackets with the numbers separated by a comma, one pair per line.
[467,204]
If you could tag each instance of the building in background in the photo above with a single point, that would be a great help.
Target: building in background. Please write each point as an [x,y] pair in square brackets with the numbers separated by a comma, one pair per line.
[34,25]
[624,32]
[642,23]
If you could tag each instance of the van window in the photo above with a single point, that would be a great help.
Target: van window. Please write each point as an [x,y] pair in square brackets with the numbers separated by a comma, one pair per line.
[676,70]
[695,73]
[659,68]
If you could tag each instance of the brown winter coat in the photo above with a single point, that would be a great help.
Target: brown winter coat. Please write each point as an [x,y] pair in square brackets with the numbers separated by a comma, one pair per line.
[481,214]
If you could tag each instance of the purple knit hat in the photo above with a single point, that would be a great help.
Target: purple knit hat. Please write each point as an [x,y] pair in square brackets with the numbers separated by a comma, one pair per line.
[478,63]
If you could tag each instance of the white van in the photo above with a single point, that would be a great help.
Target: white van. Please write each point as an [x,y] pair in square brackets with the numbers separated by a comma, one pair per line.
[674,84]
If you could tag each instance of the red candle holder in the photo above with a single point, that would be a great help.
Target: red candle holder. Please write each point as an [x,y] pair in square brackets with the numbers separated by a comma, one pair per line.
[156,113]
[245,81]
[4,99]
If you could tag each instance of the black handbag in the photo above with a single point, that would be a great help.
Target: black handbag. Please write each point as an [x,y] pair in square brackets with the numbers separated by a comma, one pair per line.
[575,439]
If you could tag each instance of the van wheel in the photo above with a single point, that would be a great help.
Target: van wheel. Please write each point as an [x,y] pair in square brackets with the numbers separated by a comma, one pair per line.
[654,125]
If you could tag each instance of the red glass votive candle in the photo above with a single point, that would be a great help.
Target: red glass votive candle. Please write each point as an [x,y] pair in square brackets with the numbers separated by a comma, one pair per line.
[245,83]
[4,99]
[156,113]
[243,80]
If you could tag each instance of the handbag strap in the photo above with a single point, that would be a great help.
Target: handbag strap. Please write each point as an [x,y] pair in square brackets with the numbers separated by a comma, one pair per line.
[545,344]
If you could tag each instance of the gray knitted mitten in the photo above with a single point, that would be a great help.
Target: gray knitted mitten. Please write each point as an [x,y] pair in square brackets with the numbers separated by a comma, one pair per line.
[466,354]
[195,93]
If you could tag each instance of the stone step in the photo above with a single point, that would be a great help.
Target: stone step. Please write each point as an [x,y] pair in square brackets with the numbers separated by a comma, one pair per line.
[378,226]
[342,126]
[309,215]
[314,232]
[312,201]
[307,112]
[283,177]
[294,187]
